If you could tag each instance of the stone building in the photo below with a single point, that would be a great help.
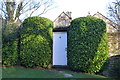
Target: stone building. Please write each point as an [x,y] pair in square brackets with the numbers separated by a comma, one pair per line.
[63,19]
[110,25]
[61,24]
[113,31]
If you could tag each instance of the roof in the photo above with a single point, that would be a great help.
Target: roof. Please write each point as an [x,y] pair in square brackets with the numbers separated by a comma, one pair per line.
[114,26]
[65,14]
[60,29]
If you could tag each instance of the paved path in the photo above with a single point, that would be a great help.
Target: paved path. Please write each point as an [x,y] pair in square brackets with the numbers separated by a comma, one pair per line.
[66,74]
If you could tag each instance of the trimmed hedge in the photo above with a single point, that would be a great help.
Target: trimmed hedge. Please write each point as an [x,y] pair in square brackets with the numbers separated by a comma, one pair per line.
[9,53]
[87,44]
[9,47]
[36,42]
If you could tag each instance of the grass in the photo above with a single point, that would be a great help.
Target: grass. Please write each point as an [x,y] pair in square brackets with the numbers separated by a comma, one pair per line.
[20,72]
[0,72]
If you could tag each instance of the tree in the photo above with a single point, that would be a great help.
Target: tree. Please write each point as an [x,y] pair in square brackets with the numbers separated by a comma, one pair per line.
[114,11]
[12,10]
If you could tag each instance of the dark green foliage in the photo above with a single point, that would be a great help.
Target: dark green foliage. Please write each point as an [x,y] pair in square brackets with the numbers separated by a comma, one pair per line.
[114,70]
[9,53]
[36,42]
[105,66]
[87,44]
[9,47]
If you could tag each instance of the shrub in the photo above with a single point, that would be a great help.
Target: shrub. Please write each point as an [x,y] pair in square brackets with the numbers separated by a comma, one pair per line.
[9,53]
[114,70]
[87,44]
[36,42]
[9,47]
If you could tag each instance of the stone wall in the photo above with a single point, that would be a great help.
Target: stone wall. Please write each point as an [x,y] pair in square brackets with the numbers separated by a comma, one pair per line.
[63,20]
[114,50]
[114,43]
[110,26]
[113,35]
[113,31]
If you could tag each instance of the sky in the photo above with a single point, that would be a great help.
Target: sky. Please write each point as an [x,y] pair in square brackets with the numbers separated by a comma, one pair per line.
[79,8]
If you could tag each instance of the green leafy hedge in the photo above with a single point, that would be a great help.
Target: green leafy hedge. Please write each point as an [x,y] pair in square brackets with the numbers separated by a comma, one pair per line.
[9,53]
[36,42]
[10,41]
[87,44]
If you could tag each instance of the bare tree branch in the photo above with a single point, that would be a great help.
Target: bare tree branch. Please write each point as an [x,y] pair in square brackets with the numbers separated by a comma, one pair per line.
[19,8]
[35,9]
[47,8]
[3,11]
[114,12]
[13,10]
[27,3]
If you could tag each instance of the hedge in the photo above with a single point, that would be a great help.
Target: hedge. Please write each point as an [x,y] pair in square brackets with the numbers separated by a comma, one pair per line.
[9,53]
[10,41]
[87,44]
[36,42]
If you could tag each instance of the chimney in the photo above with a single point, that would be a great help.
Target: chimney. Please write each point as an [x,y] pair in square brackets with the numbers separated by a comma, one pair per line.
[89,13]
[69,13]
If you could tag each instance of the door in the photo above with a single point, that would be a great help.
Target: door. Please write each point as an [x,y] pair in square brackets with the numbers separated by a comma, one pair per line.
[59,48]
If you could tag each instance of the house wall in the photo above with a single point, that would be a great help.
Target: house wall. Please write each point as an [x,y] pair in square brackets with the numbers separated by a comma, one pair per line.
[114,43]
[63,20]
[109,24]
[114,50]
[60,38]
[113,32]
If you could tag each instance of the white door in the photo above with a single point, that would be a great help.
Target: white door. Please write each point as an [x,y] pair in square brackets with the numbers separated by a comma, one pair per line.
[59,48]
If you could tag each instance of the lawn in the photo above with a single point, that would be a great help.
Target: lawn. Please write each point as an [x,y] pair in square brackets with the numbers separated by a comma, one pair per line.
[20,72]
